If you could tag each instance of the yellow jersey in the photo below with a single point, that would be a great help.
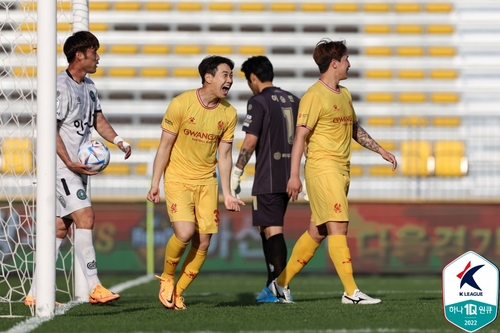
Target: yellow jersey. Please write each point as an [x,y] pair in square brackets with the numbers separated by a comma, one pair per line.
[199,130]
[330,116]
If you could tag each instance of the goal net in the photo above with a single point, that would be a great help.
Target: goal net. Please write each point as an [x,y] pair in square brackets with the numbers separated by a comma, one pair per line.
[18,129]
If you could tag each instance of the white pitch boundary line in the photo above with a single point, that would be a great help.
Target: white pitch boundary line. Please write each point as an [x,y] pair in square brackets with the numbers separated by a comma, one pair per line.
[345,330]
[33,322]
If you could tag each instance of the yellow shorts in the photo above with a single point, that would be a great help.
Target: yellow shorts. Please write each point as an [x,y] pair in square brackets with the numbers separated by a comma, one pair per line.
[328,197]
[194,203]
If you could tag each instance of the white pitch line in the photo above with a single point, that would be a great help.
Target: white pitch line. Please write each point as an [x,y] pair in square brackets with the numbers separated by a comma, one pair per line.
[33,322]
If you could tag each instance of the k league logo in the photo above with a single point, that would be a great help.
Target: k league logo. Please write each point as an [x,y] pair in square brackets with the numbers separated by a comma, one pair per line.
[470,292]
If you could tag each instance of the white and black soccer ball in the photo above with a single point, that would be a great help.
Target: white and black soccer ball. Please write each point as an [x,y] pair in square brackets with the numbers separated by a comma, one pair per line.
[95,154]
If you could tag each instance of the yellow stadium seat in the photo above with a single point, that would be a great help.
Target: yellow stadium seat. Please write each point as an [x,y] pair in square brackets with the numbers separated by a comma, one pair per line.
[356,171]
[186,72]
[141,169]
[413,121]
[158,6]
[249,171]
[127,6]
[376,7]
[283,7]
[407,7]
[345,7]
[410,51]
[377,29]
[155,49]
[16,155]
[25,71]
[378,73]
[355,146]
[102,49]
[313,7]
[409,29]
[122,71]
[94,6]
[189,6]
[124,48]
[381,121]
[443,74]
[148,144]
[221,6]
[446,121]
[25,48]
[450,159]
[382,171]
[439,7]
[154,72]
[252,50]
[98,26]
[252,7]
[411,74]
[387,144]
[29,5]
[219,49]
[99,72]
[63,5]
[445,97]
[64,26]
[117,169]
[28,26]
[379,97]
[187,49]
[440,29]
[442,51]
[416,158]
[412,97]
[378,51]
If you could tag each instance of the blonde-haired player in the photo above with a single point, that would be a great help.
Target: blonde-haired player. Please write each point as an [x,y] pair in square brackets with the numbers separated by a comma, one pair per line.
[327,122]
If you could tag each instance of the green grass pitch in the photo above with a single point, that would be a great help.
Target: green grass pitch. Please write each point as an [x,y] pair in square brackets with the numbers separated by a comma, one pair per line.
[225,303]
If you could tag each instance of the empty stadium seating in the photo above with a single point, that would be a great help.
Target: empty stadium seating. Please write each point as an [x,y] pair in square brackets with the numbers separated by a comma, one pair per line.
[413,73]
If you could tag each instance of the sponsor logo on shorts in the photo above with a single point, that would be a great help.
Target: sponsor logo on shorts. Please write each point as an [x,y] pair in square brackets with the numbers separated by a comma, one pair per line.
[92,265]
[81,194]
[62,201]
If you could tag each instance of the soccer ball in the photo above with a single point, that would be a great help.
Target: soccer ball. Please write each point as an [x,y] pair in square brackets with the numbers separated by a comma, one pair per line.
[95,154]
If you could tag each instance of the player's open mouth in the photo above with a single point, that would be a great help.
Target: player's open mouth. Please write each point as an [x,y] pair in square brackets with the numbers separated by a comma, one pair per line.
[225,89]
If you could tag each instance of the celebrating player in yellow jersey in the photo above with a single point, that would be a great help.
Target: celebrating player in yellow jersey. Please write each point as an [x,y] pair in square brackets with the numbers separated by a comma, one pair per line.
[327,123]
[198,127]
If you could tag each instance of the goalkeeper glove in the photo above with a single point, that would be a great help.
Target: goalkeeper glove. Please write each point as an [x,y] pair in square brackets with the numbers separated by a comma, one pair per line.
[235,181]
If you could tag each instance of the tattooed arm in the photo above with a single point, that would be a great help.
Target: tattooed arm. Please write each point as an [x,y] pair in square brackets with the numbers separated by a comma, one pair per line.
[246,151]
[365,140]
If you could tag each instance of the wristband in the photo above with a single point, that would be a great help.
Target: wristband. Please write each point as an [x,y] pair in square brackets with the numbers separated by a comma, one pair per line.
[117,139]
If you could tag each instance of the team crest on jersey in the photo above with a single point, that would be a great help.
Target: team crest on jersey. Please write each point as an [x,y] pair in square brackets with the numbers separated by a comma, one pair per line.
[220,125]
[192,120]
[250,106]
[92,96]
[78,100]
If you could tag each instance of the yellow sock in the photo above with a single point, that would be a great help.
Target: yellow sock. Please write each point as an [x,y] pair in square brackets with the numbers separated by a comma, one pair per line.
[302,252]
[341,257]
[173,253]
[192,265]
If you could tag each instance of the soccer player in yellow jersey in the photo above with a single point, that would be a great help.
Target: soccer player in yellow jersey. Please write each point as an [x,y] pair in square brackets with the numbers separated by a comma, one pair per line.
[198,128]
[327,123]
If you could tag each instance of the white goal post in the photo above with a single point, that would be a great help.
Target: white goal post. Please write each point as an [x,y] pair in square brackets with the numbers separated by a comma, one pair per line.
[31,37]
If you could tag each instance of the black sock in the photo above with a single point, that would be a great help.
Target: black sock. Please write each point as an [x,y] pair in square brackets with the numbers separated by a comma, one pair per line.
[266,257]
[276,253]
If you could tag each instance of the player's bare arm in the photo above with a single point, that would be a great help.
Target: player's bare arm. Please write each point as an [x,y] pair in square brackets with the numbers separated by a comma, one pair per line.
[365,140]
[247,149]
[104,128]
[225,164]
[162,157]
[294,186]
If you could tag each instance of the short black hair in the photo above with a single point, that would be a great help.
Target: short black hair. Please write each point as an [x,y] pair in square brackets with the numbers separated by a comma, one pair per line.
[260,66]
[209,65]
[80,41]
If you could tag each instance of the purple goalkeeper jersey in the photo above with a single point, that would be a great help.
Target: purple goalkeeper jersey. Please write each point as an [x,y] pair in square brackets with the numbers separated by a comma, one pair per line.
[272,116]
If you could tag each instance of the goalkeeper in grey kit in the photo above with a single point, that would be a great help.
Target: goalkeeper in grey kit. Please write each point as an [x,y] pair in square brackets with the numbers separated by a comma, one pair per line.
[78,110]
